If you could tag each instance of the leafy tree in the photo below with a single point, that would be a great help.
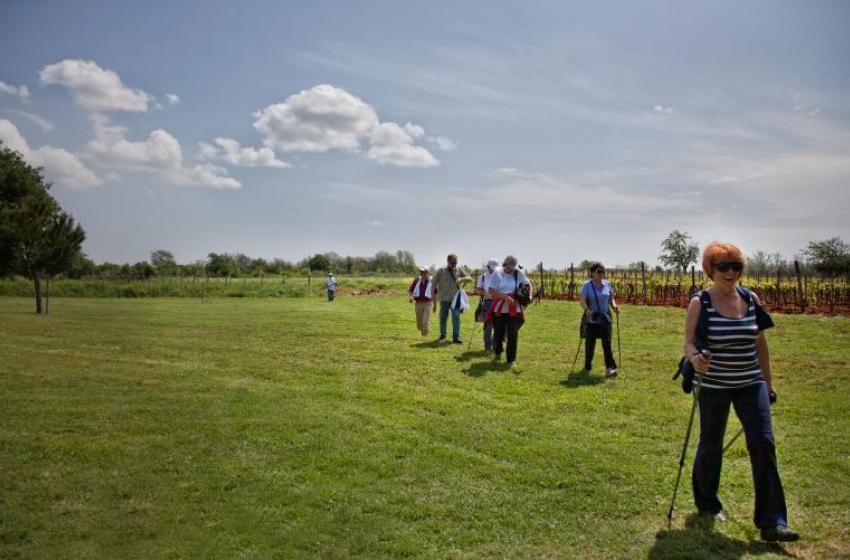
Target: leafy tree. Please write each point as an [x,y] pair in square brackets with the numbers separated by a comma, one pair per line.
[585,264]
[164,263]
[37,239]
[678,250]
[639,265]
[221,265]
[830,256]
[319,262]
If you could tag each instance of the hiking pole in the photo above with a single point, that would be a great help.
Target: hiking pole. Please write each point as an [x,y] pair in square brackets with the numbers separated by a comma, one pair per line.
[685,446]
[572,370]
[731,441]
[619,348]
[471,336]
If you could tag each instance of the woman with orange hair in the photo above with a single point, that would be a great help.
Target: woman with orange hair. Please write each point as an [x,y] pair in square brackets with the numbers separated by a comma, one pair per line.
[726,346]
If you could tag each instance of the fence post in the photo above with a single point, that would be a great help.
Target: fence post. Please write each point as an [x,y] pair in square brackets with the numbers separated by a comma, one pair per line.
[801,296]
[572,280]
[693,281]
[643,280]
[542,289]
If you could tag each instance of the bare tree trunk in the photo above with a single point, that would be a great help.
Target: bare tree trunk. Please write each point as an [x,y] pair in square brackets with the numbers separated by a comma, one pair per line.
[37,285]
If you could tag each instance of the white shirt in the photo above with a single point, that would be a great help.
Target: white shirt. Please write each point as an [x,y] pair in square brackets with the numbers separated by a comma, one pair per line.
[331,283]
[485,281]
[503,282]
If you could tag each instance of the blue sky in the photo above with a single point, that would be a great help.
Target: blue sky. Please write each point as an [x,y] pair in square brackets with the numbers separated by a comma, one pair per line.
[555,131]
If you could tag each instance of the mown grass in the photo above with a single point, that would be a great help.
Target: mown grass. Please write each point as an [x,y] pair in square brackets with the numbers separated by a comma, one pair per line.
[217,428]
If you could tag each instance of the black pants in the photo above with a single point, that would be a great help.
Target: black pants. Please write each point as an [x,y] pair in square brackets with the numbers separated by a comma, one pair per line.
[506,326]
[602,331]
[753,408]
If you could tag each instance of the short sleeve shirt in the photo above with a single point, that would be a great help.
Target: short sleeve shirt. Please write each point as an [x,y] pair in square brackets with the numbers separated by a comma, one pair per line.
[504,283]
[603,295]
[446,284]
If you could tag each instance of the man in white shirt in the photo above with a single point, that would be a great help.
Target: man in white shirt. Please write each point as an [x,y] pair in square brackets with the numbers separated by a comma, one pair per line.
[331,284]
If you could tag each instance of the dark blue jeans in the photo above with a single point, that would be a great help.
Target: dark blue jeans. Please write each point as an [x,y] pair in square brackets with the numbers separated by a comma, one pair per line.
[445,311]
[753,409]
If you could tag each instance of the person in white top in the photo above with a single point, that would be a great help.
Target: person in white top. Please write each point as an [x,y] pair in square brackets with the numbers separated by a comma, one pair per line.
[506,313]
[331,284]
[482,288]
[421,293]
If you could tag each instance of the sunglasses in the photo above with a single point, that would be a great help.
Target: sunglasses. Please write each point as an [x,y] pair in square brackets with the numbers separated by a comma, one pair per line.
[727,266]
[599,270]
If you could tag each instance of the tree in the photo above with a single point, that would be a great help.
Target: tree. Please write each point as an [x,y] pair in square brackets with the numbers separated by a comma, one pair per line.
[678,250]
[758,264]
[164,263]
[830,256]
[319,262]
[221,265]
[37,239]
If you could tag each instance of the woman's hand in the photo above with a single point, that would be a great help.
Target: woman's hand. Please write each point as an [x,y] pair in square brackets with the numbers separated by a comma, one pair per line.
[617,309]
[700,361]
[588,312]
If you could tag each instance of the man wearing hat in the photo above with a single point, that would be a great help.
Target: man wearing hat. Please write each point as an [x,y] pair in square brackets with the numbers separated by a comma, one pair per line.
[331,284]
[482,288]
[421,293]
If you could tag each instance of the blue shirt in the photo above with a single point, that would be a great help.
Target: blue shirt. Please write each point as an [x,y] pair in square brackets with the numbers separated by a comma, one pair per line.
[603,295]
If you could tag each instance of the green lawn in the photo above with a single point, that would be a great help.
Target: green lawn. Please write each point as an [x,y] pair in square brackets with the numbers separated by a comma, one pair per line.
[281,428]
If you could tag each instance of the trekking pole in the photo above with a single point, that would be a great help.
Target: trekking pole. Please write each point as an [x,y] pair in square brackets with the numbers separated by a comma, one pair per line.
[731,441]
[685,447]
[619,348]
[471,336]
[572,370]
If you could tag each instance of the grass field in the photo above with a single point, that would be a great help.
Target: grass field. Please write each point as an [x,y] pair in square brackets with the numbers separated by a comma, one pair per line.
[281,428]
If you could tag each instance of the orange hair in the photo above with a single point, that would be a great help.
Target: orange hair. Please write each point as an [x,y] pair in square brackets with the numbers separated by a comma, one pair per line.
[720,251]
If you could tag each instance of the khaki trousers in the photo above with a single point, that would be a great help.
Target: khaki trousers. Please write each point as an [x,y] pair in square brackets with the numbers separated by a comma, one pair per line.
[423,316]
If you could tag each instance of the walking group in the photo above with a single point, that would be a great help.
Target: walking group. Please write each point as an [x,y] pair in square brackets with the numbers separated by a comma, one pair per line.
[726,360]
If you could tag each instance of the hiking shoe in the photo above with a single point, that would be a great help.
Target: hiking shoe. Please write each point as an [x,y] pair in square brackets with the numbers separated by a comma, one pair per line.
[457,341]
[779,533]
[718,516]
[610,372]
[497,358]
[441,339]
[511,365]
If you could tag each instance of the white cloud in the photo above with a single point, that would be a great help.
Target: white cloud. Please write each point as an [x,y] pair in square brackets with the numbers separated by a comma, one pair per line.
[414,130]
[316,120]
[392,145]
[160,153]
[42,123]
[173,98]
[327,118]
[60,166]
[445,144]
[505,171]
[94,88]
[22,92]
[662,109]
[230,151]
[110,146]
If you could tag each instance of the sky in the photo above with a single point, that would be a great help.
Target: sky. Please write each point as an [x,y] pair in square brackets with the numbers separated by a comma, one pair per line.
[554,131]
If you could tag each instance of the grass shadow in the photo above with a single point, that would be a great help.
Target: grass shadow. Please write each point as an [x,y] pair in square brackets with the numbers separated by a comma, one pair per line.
[480,369]
[580,378]
[427,344]
[699,540]
[469,355]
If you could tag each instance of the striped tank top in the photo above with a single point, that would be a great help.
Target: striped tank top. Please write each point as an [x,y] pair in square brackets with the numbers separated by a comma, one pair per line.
[732,343]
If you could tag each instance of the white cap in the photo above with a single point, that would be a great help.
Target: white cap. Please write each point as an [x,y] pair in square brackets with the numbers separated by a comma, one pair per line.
[493,263]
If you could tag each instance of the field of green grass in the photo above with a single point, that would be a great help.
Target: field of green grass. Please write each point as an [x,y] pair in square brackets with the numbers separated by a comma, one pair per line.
[295,428]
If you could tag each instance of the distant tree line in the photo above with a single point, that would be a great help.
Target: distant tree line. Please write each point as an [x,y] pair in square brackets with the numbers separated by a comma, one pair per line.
[163,264]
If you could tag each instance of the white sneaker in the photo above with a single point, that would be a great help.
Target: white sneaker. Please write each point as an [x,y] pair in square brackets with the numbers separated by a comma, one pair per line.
[610,372]
[512,365]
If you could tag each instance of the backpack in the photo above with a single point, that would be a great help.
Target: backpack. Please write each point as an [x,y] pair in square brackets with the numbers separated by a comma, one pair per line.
[685,368]
[522,292]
